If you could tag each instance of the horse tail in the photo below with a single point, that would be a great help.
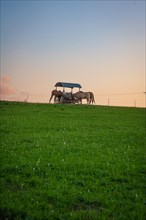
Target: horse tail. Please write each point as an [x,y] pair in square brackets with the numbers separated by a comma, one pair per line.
[93,99]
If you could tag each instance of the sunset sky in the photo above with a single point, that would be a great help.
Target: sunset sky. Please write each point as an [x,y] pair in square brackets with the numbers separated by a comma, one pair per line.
[99,44]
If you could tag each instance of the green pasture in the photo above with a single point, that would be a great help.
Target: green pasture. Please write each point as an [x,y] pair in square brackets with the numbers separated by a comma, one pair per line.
[64,162]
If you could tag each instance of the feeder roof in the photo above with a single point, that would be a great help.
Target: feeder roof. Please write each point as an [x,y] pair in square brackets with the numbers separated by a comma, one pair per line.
[68,85]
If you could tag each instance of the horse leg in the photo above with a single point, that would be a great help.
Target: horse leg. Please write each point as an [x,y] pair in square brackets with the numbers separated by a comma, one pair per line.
[88,99]
[51,98]
[56,99]
[91,101]
[59,97]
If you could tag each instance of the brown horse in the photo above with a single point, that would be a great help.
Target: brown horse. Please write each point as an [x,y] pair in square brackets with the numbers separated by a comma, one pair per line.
[56,94]
[82,95]
[92,100]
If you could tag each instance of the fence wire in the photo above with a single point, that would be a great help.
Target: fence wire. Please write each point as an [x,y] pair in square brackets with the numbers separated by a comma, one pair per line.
[123,99]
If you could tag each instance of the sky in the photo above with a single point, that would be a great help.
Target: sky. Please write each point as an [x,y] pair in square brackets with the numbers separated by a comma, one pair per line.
[98,44]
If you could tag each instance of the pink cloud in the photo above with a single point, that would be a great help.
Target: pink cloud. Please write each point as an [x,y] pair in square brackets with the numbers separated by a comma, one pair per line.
[6,79]
[6,86]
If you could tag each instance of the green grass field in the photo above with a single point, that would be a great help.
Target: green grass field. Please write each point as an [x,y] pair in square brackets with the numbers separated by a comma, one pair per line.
[72,162]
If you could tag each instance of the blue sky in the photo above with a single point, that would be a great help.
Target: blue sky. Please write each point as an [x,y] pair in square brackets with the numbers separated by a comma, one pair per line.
[99,44]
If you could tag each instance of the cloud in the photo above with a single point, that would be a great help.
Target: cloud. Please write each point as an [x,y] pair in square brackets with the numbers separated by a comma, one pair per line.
[6,86]
[6,79]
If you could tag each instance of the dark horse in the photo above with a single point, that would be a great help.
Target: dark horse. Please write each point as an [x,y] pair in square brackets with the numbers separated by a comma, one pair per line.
[56,94]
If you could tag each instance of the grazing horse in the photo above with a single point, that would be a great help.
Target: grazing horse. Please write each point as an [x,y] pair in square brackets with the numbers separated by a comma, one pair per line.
[56,94]
[82,95]
[92,100]
[66,97]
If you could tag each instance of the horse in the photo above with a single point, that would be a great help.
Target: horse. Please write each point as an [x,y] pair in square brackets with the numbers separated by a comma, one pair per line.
[82,95]
[67,97]
[92,100]
[57,94]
